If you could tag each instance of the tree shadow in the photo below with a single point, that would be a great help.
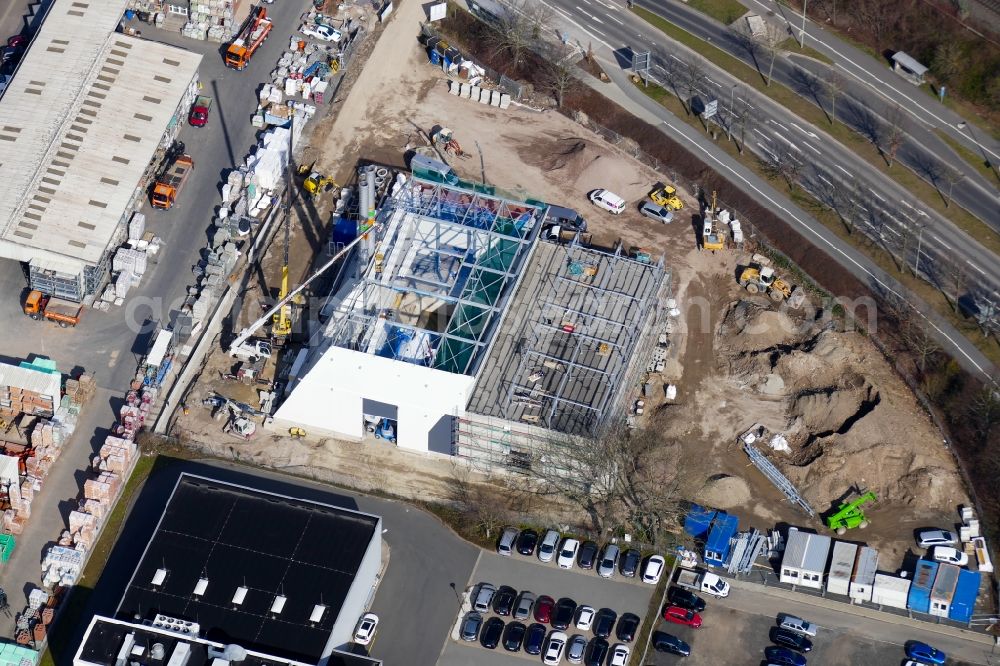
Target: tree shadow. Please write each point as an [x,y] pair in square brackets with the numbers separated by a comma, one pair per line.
[808,84]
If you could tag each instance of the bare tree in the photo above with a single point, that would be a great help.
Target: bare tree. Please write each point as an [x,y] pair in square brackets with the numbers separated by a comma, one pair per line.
[782,163]
[948,60]
[559,76]
[749,44]
[746,119]
[834,85]
[693,78]
[518,28]
[769,43]
[984,412]
[921,343]
[877,17]
[892,135]
[951,177]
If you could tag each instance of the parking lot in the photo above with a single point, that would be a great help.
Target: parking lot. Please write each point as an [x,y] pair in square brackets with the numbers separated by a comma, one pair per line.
[622,595]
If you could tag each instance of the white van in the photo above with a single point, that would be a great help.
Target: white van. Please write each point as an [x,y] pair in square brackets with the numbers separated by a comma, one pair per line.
[609,201]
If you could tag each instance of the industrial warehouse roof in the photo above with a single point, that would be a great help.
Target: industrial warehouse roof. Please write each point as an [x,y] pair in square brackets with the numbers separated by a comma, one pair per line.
[243,549]
[78,126]
[564,353]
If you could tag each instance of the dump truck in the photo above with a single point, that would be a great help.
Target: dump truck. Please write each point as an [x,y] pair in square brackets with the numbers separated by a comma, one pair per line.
[40,306]
[703,581]
[171,181]
[199,111]
[254,33]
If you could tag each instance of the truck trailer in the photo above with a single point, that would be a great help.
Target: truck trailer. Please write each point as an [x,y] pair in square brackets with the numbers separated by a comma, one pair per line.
[254,33]
[169,184]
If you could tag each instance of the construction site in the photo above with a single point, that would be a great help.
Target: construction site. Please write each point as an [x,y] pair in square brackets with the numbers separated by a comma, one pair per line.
[455,331]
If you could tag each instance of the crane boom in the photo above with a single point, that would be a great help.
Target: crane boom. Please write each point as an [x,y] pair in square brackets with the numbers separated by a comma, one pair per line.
[254,327]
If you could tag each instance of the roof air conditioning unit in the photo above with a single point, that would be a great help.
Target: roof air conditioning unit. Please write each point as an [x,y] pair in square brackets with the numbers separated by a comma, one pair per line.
[157,651]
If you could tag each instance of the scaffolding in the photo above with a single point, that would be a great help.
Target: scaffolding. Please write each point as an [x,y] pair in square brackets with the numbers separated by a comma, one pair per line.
[439,278]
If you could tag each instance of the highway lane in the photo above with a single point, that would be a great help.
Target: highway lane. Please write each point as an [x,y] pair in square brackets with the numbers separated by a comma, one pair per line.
[884,209]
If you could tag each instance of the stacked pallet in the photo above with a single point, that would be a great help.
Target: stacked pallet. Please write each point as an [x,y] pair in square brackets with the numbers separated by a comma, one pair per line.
[28,390]
[116,455]
[83,528]
[61,566]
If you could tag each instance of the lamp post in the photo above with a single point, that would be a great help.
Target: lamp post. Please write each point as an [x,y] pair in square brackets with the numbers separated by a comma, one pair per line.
[802,35]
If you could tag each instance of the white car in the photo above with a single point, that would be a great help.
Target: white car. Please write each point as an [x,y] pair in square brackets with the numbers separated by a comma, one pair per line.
[567,554]
[585,618]
[554,651]
[547,547]
[367,627]
[950,555]
[928,538]
[322,32]
[619,655]
[911,662]
[653,570]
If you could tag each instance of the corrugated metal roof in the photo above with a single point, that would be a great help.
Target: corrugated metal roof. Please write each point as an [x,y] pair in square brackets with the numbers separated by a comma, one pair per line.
[80,123]
[806,551]
[32,380]
[909,63]
[842,563]
[865,566]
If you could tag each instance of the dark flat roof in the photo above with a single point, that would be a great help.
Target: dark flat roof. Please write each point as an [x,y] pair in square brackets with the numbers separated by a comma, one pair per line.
[105,639]
[272,545]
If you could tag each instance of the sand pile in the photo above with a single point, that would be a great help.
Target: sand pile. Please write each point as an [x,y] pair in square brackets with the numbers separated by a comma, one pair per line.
[571,155]
[724,492]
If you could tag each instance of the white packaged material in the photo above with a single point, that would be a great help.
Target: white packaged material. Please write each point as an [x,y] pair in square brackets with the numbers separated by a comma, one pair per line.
[136,226]
[129,260]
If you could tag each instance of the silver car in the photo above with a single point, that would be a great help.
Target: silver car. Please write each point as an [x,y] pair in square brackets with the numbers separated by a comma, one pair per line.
[656,212]
[608,562]
[484,597]
[575,648]
[547,548]
[928,538]
[525,602]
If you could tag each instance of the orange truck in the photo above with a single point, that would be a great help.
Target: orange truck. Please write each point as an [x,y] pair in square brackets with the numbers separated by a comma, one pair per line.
[40,306]
[168,185]
[253,34]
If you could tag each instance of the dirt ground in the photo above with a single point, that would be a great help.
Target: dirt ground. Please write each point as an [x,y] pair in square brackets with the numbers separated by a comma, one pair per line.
[735,359]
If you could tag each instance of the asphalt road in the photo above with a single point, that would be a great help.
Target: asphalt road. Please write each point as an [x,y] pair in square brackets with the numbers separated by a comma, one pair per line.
[415,601]
[887,209]
[746,617]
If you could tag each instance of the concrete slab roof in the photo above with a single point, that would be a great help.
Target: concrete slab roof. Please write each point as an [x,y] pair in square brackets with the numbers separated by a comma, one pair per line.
[80,123]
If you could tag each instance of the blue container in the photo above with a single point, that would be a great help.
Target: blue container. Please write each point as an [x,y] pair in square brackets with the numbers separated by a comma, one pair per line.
[435,57]
[964,600]
[724,528]
[698,520]
[919,598]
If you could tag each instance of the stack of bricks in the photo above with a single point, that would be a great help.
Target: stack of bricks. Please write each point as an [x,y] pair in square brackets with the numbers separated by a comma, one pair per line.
[116,455]
[81,390]
[82,528]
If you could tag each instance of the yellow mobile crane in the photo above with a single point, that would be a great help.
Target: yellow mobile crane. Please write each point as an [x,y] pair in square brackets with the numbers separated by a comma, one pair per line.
[281,324]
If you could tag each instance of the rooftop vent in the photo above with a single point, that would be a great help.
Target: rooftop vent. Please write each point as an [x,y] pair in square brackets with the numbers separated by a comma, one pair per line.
[241,594]
[279,603]
[158,651]
[201,586]
[159,576]
[317,613]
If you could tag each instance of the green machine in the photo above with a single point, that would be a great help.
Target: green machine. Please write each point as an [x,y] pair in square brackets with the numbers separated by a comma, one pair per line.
[851,514]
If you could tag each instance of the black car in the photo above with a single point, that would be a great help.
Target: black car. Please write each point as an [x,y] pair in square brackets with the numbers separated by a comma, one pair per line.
[603,622]
[664,642]
[596,652]
[513,636]
[783,656]
[588,553]
[685,599]
[629,562]
[563,614]
[503,600]
[489,637]
[790,639]
[627,626]
[534,638]
[527,541]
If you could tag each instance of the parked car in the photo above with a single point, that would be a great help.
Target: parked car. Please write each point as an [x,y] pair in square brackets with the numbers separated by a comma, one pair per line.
[609,558]
[609,201]
[547,548]
[543,608]
[575,648]
[680,615]
[527,541]
[534,639]
[585,617]
[783,656]
[567,553]
[588,553]
[628,625]
[503,600]
[522,609]
[17,41]
[912,662]
[470,626]
[664,642]
[554,649]
[934,537]
[513,636]
[656,212]
[678,596]
[790,639]
[484,597]
[367,626]
[563,614]
[619,655]
[596,652]
[653,570]
[950,555]
[507,539]
[604,621]
[797,624]
[630,562]
[323,32]
[923,652]
[489,637]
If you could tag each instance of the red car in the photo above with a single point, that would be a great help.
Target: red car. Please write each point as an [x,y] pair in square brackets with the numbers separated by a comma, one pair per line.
[543,608]
[682,616]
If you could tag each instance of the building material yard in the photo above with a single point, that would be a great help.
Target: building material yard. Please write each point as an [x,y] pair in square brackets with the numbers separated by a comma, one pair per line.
[736,359]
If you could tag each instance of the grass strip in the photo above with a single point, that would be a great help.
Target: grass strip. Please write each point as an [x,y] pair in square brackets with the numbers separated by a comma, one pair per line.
[723,11]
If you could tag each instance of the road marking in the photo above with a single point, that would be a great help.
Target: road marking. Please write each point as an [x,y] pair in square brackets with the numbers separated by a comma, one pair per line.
[844,170]
[876,194]
[810,147]
[766,137]
[823,178]
[809,134]
[976,267]
[906,203]
[597,20]
[940,242]
[619,22]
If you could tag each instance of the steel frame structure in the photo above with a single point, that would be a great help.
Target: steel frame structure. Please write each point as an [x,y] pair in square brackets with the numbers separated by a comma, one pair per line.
[459,249]
[572,333]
